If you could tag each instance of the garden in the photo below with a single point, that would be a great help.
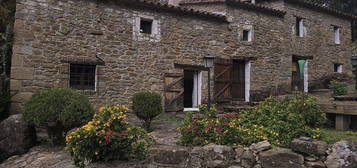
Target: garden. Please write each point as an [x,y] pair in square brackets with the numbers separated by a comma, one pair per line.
[109,134]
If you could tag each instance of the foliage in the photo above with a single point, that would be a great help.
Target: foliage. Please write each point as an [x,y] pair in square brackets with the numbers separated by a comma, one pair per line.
[7,18]
[58,110]
[278,121]
[108,136]
[146,106]
[332,136]
[338,88]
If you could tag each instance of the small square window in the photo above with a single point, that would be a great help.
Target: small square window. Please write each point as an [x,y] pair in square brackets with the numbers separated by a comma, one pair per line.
[337,32]
[299,27]
[338,68]
[146,26]
[82,76]
[247,35]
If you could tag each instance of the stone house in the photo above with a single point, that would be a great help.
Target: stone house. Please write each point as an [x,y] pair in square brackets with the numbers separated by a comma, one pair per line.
[110,49]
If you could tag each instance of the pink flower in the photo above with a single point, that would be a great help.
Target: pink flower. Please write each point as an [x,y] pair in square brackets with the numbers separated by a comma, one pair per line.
[218,129]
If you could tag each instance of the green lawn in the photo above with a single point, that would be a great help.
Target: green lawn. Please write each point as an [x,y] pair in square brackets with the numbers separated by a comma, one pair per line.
[331,136]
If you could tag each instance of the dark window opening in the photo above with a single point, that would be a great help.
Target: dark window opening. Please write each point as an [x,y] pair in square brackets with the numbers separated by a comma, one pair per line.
[337,68]
[82,76]
[245,35]
[298,27]
[145,26]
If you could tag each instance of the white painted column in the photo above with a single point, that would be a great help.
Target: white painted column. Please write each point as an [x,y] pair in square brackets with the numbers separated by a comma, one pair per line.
[306,77]
[199,85]
[247,80]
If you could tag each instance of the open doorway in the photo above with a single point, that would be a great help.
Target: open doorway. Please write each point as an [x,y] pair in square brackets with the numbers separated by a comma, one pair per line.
[192,89]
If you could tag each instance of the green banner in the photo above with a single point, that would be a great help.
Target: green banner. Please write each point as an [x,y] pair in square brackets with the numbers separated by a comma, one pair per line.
[301,67]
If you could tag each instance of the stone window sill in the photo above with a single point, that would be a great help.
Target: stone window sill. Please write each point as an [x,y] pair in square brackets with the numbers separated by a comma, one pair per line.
[247,43]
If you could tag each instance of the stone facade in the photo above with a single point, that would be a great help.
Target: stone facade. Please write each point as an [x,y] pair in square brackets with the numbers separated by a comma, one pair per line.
[50,34]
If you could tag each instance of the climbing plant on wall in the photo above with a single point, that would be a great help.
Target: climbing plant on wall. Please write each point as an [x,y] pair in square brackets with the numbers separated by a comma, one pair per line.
[7,18]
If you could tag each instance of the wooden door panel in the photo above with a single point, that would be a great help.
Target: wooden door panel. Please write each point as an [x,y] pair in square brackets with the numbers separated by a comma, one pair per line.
[174,91]
[223,79]
[238,87]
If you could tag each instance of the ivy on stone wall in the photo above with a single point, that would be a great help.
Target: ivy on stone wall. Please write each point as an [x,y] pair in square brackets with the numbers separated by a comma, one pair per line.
[7,18]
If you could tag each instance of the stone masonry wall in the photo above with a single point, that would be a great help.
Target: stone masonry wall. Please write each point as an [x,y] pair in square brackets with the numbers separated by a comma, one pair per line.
[267,46]
[319,41]
[51,33]
[48,32]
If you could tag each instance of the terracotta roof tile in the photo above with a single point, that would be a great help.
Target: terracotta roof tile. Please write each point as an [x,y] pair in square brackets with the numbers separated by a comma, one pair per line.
[257,7]
[183,2]
[322,8]
[172,8]
[305,3]
[240,3]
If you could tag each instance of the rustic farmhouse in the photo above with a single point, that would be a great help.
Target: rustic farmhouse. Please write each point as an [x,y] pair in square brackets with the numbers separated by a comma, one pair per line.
[111,49]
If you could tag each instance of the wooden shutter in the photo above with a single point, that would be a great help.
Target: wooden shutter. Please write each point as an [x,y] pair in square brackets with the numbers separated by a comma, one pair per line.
[174,91]
[223,79]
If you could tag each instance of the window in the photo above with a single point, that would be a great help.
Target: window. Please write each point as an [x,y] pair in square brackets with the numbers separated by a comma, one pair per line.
[247,35]
[82,76]
[337,32]
[146,26]
[338,68]
[299,27]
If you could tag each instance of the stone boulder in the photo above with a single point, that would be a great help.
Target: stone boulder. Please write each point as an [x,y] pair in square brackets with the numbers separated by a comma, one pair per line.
[315,164]
[169,154]
[309,147]
[282,158]
[260,146]
[16,137]
[342,154]
[211,156]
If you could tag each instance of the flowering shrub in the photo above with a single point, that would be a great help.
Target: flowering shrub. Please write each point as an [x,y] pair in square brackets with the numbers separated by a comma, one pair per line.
[278,121]
[108,136]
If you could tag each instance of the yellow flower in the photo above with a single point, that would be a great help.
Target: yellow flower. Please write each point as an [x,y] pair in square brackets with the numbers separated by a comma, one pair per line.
[96,153]
[101,109]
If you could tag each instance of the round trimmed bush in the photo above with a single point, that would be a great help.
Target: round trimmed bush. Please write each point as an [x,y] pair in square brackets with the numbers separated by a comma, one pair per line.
[58,110]
[146,106]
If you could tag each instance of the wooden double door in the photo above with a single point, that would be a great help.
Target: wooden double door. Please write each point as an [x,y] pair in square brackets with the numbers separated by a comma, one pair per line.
[229,80]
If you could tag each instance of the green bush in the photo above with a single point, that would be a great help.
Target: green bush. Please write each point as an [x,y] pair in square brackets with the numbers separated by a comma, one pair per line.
[108,137]
[146,106]
[58,110]
[278,121]
[338,88]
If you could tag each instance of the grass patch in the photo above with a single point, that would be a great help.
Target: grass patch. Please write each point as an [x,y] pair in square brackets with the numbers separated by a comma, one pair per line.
[332,136]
